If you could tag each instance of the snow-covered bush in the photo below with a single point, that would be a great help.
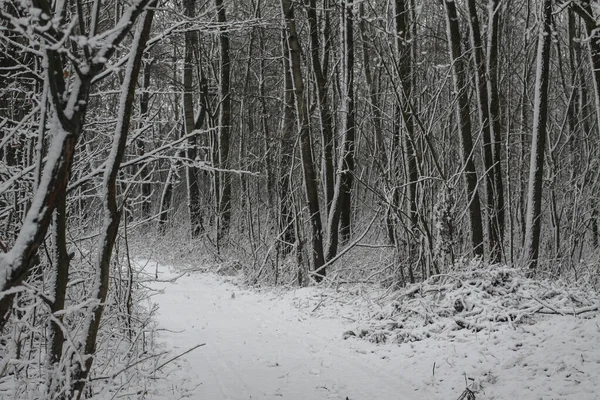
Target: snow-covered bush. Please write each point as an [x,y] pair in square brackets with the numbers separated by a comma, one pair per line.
[476,297]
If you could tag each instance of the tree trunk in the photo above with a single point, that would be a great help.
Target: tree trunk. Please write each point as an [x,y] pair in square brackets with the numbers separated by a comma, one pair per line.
[349,147]
[286,212]
[340,212]
[308,167]
[146,187]
[323,97]
[224,123]
[61,279]
[191,172]
[404,49]
[484,120]
[463,114]
[496,136]
[536,166]
[112,214]
[586,11]
[381,160]
[165,198]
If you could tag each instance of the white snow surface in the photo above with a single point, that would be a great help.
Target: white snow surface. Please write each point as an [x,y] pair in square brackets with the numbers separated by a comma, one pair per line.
[288,344]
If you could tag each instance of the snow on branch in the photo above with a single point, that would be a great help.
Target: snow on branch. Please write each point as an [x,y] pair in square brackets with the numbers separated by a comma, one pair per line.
[475,298]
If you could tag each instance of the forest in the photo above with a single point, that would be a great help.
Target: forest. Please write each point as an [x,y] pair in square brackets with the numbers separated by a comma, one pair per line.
[296,142]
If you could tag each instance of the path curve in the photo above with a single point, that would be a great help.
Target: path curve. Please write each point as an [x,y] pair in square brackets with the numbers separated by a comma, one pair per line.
[261,347]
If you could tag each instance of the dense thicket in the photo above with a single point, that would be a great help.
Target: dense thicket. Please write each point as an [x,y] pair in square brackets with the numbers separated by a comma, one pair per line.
[286,135]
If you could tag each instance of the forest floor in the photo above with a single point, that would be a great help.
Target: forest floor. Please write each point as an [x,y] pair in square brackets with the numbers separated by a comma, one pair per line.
[300,344]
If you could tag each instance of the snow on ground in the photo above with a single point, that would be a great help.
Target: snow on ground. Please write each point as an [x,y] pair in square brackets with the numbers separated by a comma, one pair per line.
[289,344]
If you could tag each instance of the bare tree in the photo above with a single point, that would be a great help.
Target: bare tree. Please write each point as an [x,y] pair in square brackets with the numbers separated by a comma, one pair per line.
[485,122]
[308,166]
[463,115]
[538,144]
[323,83]
[69,106]
[492,72]
[191,172]
[112,212]
[341,206]
[224,122]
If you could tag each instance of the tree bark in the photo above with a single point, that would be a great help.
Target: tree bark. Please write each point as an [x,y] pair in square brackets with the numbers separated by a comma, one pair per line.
[485,122]
[61,279]
[146,187]
[586,12]
[463,115]
[536,165]
[403,45]
[224,122]
[404,48]
[323,97]
[496,136]
[341,208]
[380,150]
[286,212]
[308,167]
[112,214]
[191,172]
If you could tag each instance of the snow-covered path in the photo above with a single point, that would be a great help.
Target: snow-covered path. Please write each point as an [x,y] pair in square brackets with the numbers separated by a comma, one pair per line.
[261,348]
[288,345]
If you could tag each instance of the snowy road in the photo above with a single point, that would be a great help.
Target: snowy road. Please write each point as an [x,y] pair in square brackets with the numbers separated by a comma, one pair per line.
[260,348]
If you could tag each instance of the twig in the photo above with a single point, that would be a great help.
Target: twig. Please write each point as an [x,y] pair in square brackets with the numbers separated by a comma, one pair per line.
[576,311]
[346,249]
[180,355]
[548,306]
[318,305]
[113,376]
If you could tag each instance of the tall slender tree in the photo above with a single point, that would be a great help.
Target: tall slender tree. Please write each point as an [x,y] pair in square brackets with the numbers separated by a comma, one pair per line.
[224,121]
[463,116]
[191,171]
[486,130]
[493,46]
[404,111]
[311,186]
[286,215]
[341,206]
[538,144]
[322,83]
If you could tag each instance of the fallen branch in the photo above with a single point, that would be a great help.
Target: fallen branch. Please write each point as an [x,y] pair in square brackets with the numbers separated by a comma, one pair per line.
[576,311]
[548,306]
